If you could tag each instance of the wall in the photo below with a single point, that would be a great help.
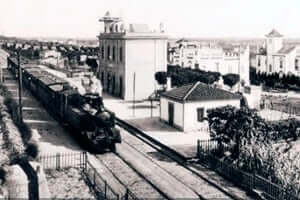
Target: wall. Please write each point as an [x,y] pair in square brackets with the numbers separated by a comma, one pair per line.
[110,68]
[178,112]
[144,57]
[190,112]
[3,58]
[263,63]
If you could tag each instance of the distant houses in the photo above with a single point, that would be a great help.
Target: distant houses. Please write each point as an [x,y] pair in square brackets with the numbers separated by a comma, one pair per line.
[278,57]
[224,59]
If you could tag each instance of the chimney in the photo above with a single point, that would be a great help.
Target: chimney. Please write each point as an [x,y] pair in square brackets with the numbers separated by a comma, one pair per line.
[169,85]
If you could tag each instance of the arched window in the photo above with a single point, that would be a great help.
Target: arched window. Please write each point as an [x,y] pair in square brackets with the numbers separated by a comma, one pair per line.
[113,53]
[108,52]
[121,54]
[117,28]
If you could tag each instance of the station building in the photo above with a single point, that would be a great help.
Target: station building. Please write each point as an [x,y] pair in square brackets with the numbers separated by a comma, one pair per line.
[129,56]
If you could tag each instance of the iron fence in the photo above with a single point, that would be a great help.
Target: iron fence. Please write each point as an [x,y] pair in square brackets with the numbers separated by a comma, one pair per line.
[63,160]
[246,180]
[98,184]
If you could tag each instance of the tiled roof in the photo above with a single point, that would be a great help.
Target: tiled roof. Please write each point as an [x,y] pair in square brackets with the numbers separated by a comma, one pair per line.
[286,49]
[199,92]
[274,33]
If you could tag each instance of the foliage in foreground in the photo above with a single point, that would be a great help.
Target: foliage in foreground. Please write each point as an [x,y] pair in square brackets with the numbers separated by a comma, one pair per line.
[251,139]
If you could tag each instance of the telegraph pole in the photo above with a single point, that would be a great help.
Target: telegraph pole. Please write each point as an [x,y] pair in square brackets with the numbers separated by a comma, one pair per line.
[20,88]
[133,94]
[240,67]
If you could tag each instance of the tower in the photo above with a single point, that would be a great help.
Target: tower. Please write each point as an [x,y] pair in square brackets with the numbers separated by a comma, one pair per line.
[273,45]
[109,22]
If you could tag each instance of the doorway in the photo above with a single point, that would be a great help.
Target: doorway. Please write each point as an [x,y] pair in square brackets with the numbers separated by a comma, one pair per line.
[171,114]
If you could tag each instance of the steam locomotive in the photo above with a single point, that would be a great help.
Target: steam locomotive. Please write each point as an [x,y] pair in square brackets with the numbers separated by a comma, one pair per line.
[92,124]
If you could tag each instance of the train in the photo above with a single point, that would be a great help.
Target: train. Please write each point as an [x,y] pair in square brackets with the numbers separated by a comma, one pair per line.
[93,126]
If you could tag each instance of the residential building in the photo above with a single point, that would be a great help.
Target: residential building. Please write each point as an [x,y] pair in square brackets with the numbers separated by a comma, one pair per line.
[212,57]
[3,62]
[129,56]
[277,56]
[50,53]
[3,58]
[185,107]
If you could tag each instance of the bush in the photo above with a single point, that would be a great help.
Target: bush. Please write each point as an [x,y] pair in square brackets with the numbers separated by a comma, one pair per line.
[32,150]
[231,79]
[161,77]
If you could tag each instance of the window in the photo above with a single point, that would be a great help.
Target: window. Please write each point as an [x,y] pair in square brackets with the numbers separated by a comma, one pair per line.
[270,68]
[113,53]
[296,65]
[281,63]
[121,54]
[200,114]
[102,52]
[258,64]
[108,53]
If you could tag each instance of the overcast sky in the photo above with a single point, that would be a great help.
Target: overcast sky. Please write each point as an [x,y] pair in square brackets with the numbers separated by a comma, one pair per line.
[190,18]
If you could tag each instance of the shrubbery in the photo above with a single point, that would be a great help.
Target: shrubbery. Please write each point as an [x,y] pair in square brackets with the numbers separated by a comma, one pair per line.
[250,140]
[182,76]
[25,131]
[274,80]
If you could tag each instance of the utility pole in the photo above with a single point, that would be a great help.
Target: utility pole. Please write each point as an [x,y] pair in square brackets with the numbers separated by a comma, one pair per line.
[133,107]
[240,67]
[20,88]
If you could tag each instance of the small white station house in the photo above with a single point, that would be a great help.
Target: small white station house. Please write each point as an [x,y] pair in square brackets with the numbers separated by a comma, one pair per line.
[185,107]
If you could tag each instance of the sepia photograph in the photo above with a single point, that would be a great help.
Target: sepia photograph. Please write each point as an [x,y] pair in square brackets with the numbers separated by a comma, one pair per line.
[161,99]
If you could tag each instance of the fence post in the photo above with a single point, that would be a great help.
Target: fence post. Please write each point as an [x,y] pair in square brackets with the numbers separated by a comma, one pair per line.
[126,194]
[57,160]
[85,159]
[198,148]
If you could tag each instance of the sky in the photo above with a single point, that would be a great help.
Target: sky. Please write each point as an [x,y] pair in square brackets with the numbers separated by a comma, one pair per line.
[188,18]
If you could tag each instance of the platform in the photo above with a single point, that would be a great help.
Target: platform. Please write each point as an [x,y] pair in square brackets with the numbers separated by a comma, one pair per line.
[139,114]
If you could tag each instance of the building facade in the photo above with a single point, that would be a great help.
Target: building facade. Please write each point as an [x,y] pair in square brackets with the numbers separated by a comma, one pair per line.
[210,57]
[277,57]
[185,108]
[129,56]
[3,62]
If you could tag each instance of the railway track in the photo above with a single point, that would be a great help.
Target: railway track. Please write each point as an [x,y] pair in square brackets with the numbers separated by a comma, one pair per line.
[146,181]
[129,177]
[174,164]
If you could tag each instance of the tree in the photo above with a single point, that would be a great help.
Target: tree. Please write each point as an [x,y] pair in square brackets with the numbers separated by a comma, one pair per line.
[236,126]
[161,77]
[231,79]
